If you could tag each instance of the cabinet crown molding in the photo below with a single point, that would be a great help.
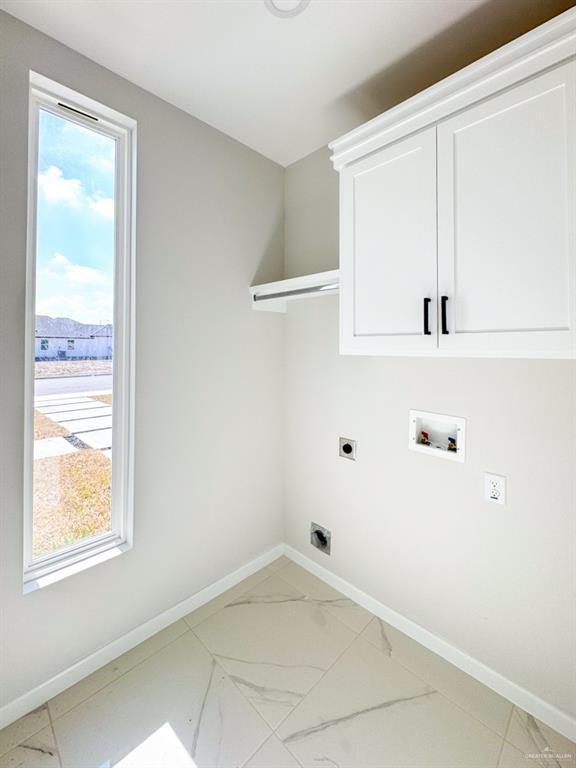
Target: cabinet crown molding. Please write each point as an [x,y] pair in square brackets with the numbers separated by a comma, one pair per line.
[543,47]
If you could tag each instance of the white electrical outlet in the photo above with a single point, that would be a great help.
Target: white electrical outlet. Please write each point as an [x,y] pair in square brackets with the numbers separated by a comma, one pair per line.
[495,488]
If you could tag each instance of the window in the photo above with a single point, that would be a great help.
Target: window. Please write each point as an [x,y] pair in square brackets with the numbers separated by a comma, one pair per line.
[79,445]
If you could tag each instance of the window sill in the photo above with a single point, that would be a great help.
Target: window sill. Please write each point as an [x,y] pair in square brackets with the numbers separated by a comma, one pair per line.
[34,582]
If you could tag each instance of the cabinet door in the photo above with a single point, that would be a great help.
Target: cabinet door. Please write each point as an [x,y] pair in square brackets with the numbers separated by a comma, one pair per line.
[388,256]
[506,221]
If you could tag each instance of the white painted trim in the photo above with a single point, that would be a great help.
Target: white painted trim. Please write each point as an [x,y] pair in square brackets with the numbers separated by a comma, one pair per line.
[498,354]
[55,685]
[280,290]
[549,714]
[543,47]
[58,92]
[77,563]
[50,96]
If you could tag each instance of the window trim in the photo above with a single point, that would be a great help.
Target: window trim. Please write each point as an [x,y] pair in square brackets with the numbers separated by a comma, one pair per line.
[50,96]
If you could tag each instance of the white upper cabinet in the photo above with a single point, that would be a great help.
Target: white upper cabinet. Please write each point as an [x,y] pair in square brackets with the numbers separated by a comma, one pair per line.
[466,195]
[389,232]
[506,220]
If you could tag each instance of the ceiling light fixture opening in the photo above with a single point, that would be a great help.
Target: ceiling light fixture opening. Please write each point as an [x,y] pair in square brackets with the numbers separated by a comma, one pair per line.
[286,9]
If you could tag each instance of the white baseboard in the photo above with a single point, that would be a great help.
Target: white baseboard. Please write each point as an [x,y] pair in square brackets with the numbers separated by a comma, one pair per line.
[547,713]
[55,685]
[555,718]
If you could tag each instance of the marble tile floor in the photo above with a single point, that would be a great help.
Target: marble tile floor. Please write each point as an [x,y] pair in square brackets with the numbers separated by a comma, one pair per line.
[281,671]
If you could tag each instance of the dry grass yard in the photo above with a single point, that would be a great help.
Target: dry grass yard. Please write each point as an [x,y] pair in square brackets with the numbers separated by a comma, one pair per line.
[49,368]
[45,427]
[103,398]
[72,499]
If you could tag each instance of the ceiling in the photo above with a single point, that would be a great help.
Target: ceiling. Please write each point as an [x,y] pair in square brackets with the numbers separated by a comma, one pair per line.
[284,86]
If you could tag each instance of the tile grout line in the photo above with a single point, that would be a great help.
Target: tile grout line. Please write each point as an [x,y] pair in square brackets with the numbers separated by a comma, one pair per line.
[265,742]
[255,751]
[53,730]
[217,663]
[408,669]
[272,730]
[314,600]
[445,695]
[30,735]
[357,636]
[214,656]
[225,673]
[524,728]
[336,660]
[111,682]
[243,592]
[433,690]
[237,688]
[508,721]
[187,629]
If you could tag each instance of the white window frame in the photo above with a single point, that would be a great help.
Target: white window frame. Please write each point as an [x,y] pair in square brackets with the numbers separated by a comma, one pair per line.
[50,96]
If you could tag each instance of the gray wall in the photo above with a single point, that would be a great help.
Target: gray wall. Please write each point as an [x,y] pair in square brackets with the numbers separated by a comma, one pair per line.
[208,498]
[311,200]
[413,531]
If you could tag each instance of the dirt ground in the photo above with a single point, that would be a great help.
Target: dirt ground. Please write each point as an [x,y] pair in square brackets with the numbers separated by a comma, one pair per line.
[49,368]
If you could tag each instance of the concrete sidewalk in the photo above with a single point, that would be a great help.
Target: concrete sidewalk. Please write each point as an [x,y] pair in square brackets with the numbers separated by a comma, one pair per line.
[88,420]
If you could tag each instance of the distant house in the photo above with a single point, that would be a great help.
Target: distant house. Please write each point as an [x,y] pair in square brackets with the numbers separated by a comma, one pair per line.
[61,338]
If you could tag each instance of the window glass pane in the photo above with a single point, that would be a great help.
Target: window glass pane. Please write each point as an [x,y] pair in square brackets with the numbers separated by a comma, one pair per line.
[74,313]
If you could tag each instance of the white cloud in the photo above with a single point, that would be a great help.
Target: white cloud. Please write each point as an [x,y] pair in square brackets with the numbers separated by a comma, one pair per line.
[104,164]
[66,289]
[57,189]
[103,205]
[97,310]
[59,260]
[85,275]
[76,274]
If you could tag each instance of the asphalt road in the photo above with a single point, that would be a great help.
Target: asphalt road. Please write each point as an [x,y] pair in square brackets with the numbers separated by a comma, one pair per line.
[61,384]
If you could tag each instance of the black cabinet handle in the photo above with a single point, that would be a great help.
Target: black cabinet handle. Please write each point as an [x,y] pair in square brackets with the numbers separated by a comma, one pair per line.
[427,331]
[443,301]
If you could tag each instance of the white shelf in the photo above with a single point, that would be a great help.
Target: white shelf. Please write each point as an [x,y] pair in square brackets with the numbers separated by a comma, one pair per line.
[273,297]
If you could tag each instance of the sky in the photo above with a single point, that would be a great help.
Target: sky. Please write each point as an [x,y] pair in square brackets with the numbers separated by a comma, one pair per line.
[75,229]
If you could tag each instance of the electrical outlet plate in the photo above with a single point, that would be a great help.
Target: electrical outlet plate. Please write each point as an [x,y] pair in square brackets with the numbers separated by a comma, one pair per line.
[347,448]
[495,488]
